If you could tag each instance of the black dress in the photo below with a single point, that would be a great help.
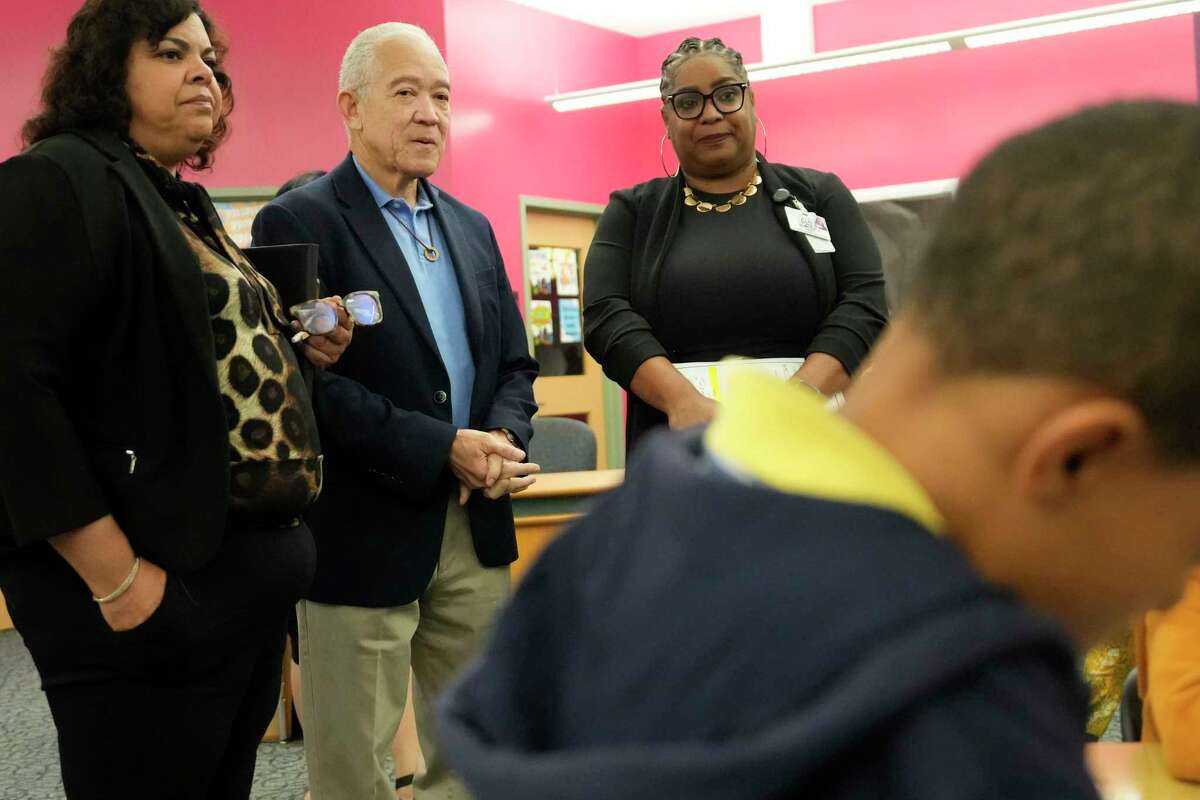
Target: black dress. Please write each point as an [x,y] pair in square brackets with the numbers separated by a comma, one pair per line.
[733,285]
[664,280]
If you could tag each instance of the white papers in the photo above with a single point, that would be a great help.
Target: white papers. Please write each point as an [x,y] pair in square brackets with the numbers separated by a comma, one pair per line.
[711,377]
[541,271]
[566,269]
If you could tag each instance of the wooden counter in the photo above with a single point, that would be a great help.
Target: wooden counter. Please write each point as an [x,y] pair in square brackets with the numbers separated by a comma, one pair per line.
[1134,771]
[554,500]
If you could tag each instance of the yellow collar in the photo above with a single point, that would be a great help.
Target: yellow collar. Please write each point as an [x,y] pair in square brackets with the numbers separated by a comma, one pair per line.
[782,435]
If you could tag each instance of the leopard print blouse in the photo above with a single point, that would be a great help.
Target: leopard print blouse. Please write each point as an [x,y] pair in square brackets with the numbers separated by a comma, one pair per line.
[274,449]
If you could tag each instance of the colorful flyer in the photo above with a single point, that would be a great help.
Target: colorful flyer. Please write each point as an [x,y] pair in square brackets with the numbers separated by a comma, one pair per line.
[541,321]
[566,263]
[570,328]
[541,271]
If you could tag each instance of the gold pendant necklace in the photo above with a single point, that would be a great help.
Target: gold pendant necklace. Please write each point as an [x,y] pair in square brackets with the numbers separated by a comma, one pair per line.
[703,206]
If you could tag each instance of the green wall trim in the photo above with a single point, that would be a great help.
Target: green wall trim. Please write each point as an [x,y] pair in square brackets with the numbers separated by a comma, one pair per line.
[236,193]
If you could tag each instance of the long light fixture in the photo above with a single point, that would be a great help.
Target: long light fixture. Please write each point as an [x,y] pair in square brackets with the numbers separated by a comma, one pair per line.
[1105,16]
[831,61]
[1042,27]
[605,96]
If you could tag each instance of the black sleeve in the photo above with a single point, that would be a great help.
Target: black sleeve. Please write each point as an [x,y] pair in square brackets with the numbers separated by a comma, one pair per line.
[1013,729]
[409,447]
[55,289]
[512,402]
[860,313]
[616,335]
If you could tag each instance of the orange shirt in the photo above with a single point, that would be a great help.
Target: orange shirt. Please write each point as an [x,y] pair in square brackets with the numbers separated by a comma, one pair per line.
[1168,661]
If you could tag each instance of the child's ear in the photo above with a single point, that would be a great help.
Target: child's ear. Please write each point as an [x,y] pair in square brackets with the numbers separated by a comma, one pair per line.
[1075,447]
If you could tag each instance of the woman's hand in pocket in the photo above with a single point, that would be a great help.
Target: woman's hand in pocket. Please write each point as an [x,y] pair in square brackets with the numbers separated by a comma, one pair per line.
[140,601]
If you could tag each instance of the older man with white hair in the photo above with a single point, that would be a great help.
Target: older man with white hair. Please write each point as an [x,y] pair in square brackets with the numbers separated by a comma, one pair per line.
[427,421]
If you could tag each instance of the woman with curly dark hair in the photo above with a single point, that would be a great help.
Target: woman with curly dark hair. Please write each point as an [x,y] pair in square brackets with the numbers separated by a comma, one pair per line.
[159,436]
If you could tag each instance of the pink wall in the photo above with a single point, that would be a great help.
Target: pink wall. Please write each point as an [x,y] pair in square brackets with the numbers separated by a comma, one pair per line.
[899,122]
[929,118]
[284,59]
[506,141]
[744,35]
[855,22]
[27,32]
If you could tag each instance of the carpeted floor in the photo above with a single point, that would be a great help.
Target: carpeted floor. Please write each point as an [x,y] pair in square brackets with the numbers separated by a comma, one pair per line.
[29,753]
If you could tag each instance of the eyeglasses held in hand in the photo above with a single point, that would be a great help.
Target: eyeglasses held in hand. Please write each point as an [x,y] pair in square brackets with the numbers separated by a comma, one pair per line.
[317,317]
[726,99]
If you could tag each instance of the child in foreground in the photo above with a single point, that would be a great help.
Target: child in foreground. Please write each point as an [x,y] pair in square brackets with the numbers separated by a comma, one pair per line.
[890,602]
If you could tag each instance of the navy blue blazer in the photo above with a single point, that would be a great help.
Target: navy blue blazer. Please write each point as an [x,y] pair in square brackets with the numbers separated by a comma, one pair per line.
[385,408]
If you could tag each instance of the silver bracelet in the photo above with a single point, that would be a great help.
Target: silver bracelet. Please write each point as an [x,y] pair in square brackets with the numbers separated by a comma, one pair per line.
[125,584]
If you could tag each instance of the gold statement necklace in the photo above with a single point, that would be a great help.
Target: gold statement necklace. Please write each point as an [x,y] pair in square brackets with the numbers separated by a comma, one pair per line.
[703,206]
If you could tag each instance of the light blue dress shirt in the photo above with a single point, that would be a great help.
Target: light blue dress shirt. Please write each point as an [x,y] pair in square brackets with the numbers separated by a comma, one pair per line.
[437,285]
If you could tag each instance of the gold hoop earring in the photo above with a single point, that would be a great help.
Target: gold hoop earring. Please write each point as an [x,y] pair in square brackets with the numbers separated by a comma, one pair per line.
[662,158]
[763,125]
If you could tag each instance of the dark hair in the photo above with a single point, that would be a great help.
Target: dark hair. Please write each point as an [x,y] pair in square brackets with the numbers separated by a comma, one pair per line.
[1071,251]
[84,86]
[692,46]
[296,181]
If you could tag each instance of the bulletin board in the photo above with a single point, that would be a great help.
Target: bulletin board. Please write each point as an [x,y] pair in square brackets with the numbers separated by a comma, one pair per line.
[554,314]
[237,208]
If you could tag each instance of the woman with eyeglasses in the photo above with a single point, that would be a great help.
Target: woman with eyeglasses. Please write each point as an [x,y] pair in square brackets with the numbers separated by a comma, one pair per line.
[159,438]
[729,256]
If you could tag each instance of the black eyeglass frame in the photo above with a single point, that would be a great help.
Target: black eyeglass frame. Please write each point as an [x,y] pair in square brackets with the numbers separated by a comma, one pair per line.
[705,99]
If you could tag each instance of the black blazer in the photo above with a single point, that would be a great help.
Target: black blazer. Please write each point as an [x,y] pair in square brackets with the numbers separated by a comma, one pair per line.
[624,263]
[384,407]
[109,402]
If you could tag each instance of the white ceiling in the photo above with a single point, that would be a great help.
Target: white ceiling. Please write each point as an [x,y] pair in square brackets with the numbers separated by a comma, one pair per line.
[642,18]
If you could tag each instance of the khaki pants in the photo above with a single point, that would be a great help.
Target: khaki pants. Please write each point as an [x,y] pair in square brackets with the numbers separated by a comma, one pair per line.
[354,665]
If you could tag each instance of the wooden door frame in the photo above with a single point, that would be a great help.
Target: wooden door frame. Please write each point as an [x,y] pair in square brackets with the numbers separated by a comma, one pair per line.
[614,422]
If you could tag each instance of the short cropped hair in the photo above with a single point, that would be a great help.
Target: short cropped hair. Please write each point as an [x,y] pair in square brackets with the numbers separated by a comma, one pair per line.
[358,64]
[1073,251]
[84,85]
[296,181]
[692,46]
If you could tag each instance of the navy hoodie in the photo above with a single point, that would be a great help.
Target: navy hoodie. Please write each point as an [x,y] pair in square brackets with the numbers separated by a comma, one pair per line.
[698,636]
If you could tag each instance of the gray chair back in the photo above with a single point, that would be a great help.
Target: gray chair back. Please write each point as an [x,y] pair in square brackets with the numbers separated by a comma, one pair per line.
[562,444]
[1131,709]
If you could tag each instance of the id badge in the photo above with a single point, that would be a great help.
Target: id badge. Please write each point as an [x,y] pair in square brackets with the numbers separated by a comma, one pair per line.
[814,228]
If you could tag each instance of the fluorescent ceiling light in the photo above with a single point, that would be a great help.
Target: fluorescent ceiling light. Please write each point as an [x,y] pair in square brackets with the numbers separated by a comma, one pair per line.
[608,96]
[809,66]
[1002,33]
[1085,23]
[648,90]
